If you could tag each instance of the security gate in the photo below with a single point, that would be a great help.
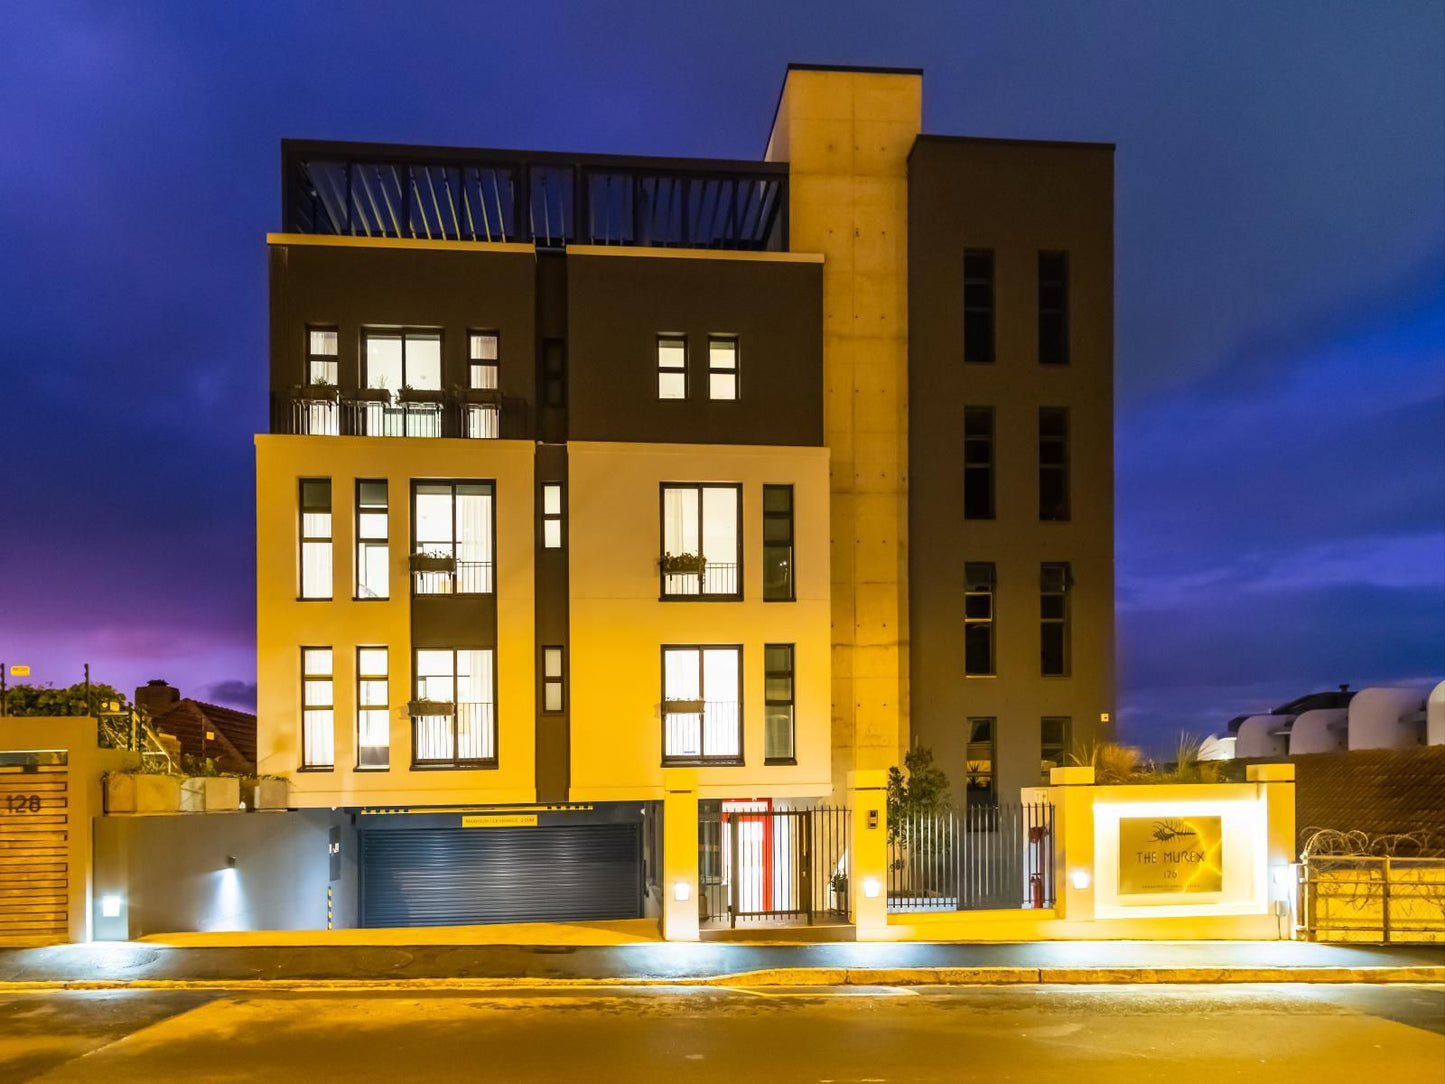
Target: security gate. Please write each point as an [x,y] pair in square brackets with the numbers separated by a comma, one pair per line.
[34,848]
[759,863]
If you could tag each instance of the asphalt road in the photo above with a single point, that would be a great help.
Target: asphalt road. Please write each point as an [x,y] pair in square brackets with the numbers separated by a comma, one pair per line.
[847,1036]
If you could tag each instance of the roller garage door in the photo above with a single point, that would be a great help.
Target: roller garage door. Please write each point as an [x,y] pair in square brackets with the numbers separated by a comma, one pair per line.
[465,876]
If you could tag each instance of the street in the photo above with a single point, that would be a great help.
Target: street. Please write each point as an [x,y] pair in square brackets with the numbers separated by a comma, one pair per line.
[1098,1033]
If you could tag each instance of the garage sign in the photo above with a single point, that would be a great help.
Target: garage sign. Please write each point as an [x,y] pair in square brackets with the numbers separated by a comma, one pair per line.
[499,820]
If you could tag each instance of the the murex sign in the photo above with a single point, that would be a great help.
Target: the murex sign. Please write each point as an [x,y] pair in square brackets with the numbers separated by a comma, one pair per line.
[1170,854]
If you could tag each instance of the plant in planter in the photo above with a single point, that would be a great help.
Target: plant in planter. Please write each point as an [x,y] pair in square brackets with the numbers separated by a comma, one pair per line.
[321,390]
[424,708]
[373,395]
[433,561]
[679,706]
[408,394]
[838,885]
[683,564]
[142,791]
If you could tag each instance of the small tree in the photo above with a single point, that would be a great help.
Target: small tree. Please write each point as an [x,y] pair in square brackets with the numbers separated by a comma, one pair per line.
[923,792]
[48,700]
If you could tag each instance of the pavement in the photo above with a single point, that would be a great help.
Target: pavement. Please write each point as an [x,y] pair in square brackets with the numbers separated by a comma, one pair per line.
[478,966]
[921,1035]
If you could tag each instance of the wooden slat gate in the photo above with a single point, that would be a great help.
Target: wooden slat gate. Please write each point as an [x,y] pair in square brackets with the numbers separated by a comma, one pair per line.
[34,848]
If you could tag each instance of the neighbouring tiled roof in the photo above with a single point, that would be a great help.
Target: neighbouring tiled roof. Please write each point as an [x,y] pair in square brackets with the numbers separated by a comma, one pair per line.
[234,743]
[1376,791]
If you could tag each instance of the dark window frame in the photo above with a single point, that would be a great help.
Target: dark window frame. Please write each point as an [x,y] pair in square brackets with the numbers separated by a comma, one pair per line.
[663,595]
[1054,437]
[544,517]
[980,307]
[313,358]
[453,482]
[359,539]
[304,765]
[457,763]
[302,538]
[736,372]
[382,331]
[560,680]
[973,466]
[703,759]
[790,517]
[791,703]
[986,795]
[660,369]
[1053,308]
[1056,582]
[385,679]
[478,363]
[1064,745]
[981,581]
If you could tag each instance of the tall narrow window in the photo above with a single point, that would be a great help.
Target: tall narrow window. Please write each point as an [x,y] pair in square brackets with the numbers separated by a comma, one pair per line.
[481,409]
[1055,581]
[1053,308]
[316,538]
[671,367]
[1053,463]
[722,368]
[321,355]
[452,548]
[978,463]
[373,578]
[702,704]
[453,717]
[1053,743]
[980,755]
[552,515]
[482,349]
[778,698]
[373,713]
[552,685]
[978,304]
[978,618]
[778,544]
[318,714]
[701,541]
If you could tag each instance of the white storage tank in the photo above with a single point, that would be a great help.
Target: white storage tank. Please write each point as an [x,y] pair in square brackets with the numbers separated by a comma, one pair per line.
[1435,716]
[1263,736]
[1388,717]
[1324,730]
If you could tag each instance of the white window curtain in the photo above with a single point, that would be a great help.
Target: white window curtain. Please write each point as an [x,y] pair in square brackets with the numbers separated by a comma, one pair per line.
[383,362]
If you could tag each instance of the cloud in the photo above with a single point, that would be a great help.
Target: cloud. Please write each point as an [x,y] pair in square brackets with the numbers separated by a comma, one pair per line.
[233,694]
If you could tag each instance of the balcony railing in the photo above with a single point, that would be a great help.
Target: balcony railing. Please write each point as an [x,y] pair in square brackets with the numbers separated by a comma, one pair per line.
[715,580]
[552,200]
[464,737]
[370,418]
[712,734]
[466,578]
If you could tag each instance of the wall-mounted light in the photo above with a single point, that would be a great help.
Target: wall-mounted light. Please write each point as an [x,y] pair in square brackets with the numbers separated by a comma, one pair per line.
[1079,878]
[682,892]
[871,888]
[110,906]
[230,861]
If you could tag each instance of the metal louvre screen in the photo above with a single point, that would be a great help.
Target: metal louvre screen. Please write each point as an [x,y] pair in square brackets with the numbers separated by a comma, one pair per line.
[469,876]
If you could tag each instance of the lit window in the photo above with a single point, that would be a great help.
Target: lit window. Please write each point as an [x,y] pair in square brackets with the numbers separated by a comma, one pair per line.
[671,367]
[321,355]
[980,581]
[778,696]
[552,679]
[722,368]
[483,353]
[316,538]
[404,359]
[702,698]
[701,541]
[452,531]
[373,715]
[778,544]
[551,515]
[1055,580]
[980,762]
[318,732]
[453,715]
[372,572]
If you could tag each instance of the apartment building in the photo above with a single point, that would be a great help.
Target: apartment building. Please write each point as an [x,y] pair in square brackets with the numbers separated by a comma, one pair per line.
[586,515]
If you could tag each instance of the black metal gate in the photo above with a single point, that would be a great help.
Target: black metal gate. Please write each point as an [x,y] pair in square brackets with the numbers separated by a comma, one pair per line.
[761,864]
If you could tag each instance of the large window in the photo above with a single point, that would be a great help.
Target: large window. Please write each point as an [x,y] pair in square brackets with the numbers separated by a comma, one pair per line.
[316,538]
[321,355]
[373,711]
[671,367]
[1053,463]
[1053,744]
[1053,308]
[702,717]
[978,463]
[453,717]
[452,543]
[318,712]
[701,541]
[980,756]
[778,583]
[978,304]
[373,579]
[404,359]
[978,618]
[778,703]
[722,367]
[1054,583]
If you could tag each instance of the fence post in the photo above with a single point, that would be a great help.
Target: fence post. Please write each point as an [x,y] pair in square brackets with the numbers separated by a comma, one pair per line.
[1385,892]
[734,870]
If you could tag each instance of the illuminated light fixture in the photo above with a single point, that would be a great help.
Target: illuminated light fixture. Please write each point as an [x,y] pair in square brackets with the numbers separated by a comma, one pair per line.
[230,861]
[871,888]
[1079,878]
[682,892]
[110,906]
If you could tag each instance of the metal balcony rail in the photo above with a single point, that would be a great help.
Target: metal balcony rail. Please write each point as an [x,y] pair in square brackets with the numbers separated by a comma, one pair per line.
[468,578]
[692,736]
[367,418]
[466,736]
[552,200]
[981,857]
[715,579]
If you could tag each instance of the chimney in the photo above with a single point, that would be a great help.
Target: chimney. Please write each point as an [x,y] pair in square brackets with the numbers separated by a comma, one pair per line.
[156,697]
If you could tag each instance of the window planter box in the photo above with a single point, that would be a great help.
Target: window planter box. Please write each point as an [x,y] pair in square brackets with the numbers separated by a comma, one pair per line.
[317,393]
[420,395]
[483,396]
[373,395]
[679,564]
[682,707]
[266,793]
[433,562]
[139,792]
[427,708]
[210,794]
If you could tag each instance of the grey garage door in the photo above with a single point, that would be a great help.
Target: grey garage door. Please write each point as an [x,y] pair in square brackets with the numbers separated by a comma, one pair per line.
[464,876]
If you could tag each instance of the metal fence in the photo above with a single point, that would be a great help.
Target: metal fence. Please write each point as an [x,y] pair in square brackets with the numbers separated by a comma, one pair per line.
[980,857]
[772,864]
[1373,898]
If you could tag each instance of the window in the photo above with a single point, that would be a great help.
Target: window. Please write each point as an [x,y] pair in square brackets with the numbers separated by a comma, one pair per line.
[778,544]
[1053,743]
[316,538]
[702,704]
[701,541]
[404,359]
[1053,308]
[452,546]
[980,581]
[318,732]
[1053,464]
[671,367]
[321,355]
[978,304]
[722,368]
[482,365]
[373,714]
[980,762]
[1055,581]
[552,515]
[778,704]
[453,717]
[978,463]
[552,698]
[372,556]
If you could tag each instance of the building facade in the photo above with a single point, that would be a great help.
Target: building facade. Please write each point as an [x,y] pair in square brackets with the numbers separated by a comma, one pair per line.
[588,485]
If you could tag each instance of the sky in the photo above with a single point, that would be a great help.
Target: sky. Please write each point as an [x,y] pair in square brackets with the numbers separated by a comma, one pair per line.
[1280,292]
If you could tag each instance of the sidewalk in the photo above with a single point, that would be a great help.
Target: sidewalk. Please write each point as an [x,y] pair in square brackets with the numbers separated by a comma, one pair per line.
[149,965]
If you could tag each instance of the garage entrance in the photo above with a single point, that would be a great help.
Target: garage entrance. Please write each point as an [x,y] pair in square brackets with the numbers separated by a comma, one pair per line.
[34,848]
[432,876]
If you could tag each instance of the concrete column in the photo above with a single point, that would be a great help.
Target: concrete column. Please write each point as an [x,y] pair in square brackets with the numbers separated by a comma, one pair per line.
[679,854]
[868,791]
[1277,782]
[1073,797]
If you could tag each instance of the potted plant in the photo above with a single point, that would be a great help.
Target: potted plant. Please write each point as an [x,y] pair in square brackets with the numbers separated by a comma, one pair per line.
[423,708]
[683,564]
[373,395]
[679,706]
[408,394]
[142,791]
[320,391]
[433,561]
[838,885]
